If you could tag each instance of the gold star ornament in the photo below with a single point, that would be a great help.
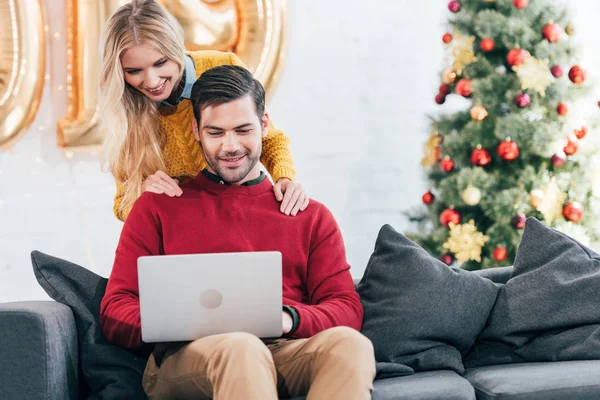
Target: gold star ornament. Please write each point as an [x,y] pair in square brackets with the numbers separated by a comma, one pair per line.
[551,201]
[534,74]
[462,51]
[431,150]
[466,242]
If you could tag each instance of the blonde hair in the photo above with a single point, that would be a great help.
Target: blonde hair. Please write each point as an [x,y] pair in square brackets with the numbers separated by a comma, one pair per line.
[133,144]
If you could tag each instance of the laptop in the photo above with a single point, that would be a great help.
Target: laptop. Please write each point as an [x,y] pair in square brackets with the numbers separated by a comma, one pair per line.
[186,297]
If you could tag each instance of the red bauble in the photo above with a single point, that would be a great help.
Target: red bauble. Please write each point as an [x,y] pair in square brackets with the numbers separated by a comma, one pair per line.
[463,87]
[487,45]
[576,74]
[447,164]
[508,150]
[447,258]
[449,215]
[520,3]
[556,71]
[447,38]
[522,100]
[516,57]
[440,98]
[562,109]
[580,133]
[558,160]
[571,148]
[551,32]
[428,198]
[444,89]
[454,6]
[500,253]
[573,211]
[519,220]
[481,157]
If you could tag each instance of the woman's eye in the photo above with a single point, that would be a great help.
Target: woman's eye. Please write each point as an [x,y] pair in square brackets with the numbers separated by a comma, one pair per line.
[160,63]
[134,72]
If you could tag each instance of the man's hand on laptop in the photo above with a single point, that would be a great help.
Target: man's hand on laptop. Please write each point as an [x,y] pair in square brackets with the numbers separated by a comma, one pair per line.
[287,322]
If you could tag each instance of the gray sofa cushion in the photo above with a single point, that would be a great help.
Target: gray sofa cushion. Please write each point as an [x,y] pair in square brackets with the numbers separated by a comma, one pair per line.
[110,371]
[548,310]
[537,381]
[418,311]
[432,385]
[38,351]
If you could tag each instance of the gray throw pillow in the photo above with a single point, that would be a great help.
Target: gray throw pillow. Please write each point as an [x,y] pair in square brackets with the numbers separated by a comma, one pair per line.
[418,311]
[109,371]
[549,309]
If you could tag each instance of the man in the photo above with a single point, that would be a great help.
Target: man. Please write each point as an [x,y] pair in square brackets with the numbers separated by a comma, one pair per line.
[230,207]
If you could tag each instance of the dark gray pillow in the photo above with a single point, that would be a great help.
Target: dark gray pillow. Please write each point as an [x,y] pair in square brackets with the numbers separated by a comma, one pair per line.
[549,310]
[110,372]
[418,311]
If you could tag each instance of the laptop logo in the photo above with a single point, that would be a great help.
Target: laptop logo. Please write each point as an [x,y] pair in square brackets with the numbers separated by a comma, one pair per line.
[211,299]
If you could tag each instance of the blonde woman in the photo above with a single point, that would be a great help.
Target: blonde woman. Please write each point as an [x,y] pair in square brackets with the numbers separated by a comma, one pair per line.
[145,84]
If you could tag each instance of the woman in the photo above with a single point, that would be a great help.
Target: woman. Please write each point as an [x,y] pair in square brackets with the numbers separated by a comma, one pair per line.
[145,85]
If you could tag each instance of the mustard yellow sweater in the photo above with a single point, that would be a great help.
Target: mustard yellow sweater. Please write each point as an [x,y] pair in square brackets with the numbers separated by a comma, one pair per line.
[182,153]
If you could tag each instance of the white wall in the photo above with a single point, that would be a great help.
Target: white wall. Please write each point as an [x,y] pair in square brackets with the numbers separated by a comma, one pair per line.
[359,81]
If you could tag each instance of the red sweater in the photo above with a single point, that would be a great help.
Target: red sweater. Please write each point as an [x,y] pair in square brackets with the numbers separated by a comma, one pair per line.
[214,218]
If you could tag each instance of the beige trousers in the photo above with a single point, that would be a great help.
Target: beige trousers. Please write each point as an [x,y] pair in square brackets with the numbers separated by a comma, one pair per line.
[338,363]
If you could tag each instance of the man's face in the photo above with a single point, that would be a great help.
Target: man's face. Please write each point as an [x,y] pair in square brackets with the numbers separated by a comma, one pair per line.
[231,138]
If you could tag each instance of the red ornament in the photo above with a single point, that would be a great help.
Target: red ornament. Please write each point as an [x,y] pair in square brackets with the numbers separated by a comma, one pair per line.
[519,220]
[551,32]
[562,109]
[520,3]
[444,89]
[576,74]
[447,164]
[428,198]
[558,160]
[508,150]
[463,87]
[500,253]
[571,148]
[573,211]
[447,258]
[449,215]
[487,45]
[481,157]
[580,133]
[447,38]
[516,57]
[454,6]
[522,100]
[440,98]
[556,71]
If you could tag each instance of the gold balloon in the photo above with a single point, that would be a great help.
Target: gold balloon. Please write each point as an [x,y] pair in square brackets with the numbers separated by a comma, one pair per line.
[449,76]
[478,113]
[22,67]
[471,195]
[536,197]
[254,29]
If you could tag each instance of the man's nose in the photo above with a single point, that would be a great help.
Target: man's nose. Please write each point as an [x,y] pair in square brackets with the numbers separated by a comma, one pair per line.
[230,142]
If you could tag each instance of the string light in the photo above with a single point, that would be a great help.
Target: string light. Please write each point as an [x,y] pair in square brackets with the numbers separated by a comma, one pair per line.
[60,88]
[56,35]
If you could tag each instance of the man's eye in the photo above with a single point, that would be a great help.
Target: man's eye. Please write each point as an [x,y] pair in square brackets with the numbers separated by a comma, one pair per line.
[214,133]
[244,131]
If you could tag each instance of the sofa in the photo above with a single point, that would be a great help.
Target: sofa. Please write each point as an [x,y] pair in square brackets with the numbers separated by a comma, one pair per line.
[39,354]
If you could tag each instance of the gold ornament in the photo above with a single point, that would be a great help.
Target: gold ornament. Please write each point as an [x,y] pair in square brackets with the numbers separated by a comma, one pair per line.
[431,150]
[462,51]
[551,206]
[449,76]
[478,113]
[569,29]
[256,30]
[471,195]
[536,197]
[22,67]
[466,242]
[534,74]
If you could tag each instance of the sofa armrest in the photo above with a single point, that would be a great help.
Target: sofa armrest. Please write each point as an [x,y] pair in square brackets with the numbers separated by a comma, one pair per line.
[38,351]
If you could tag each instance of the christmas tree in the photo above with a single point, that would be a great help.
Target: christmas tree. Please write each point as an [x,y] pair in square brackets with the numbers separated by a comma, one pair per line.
[517,149]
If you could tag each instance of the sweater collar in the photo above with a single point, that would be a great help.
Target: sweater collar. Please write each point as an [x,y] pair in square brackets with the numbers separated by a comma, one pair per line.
[187,82]
[217,178]
[214,184]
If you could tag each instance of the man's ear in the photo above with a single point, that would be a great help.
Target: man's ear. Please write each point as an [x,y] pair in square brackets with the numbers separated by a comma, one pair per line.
[195,129]
[265,122]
